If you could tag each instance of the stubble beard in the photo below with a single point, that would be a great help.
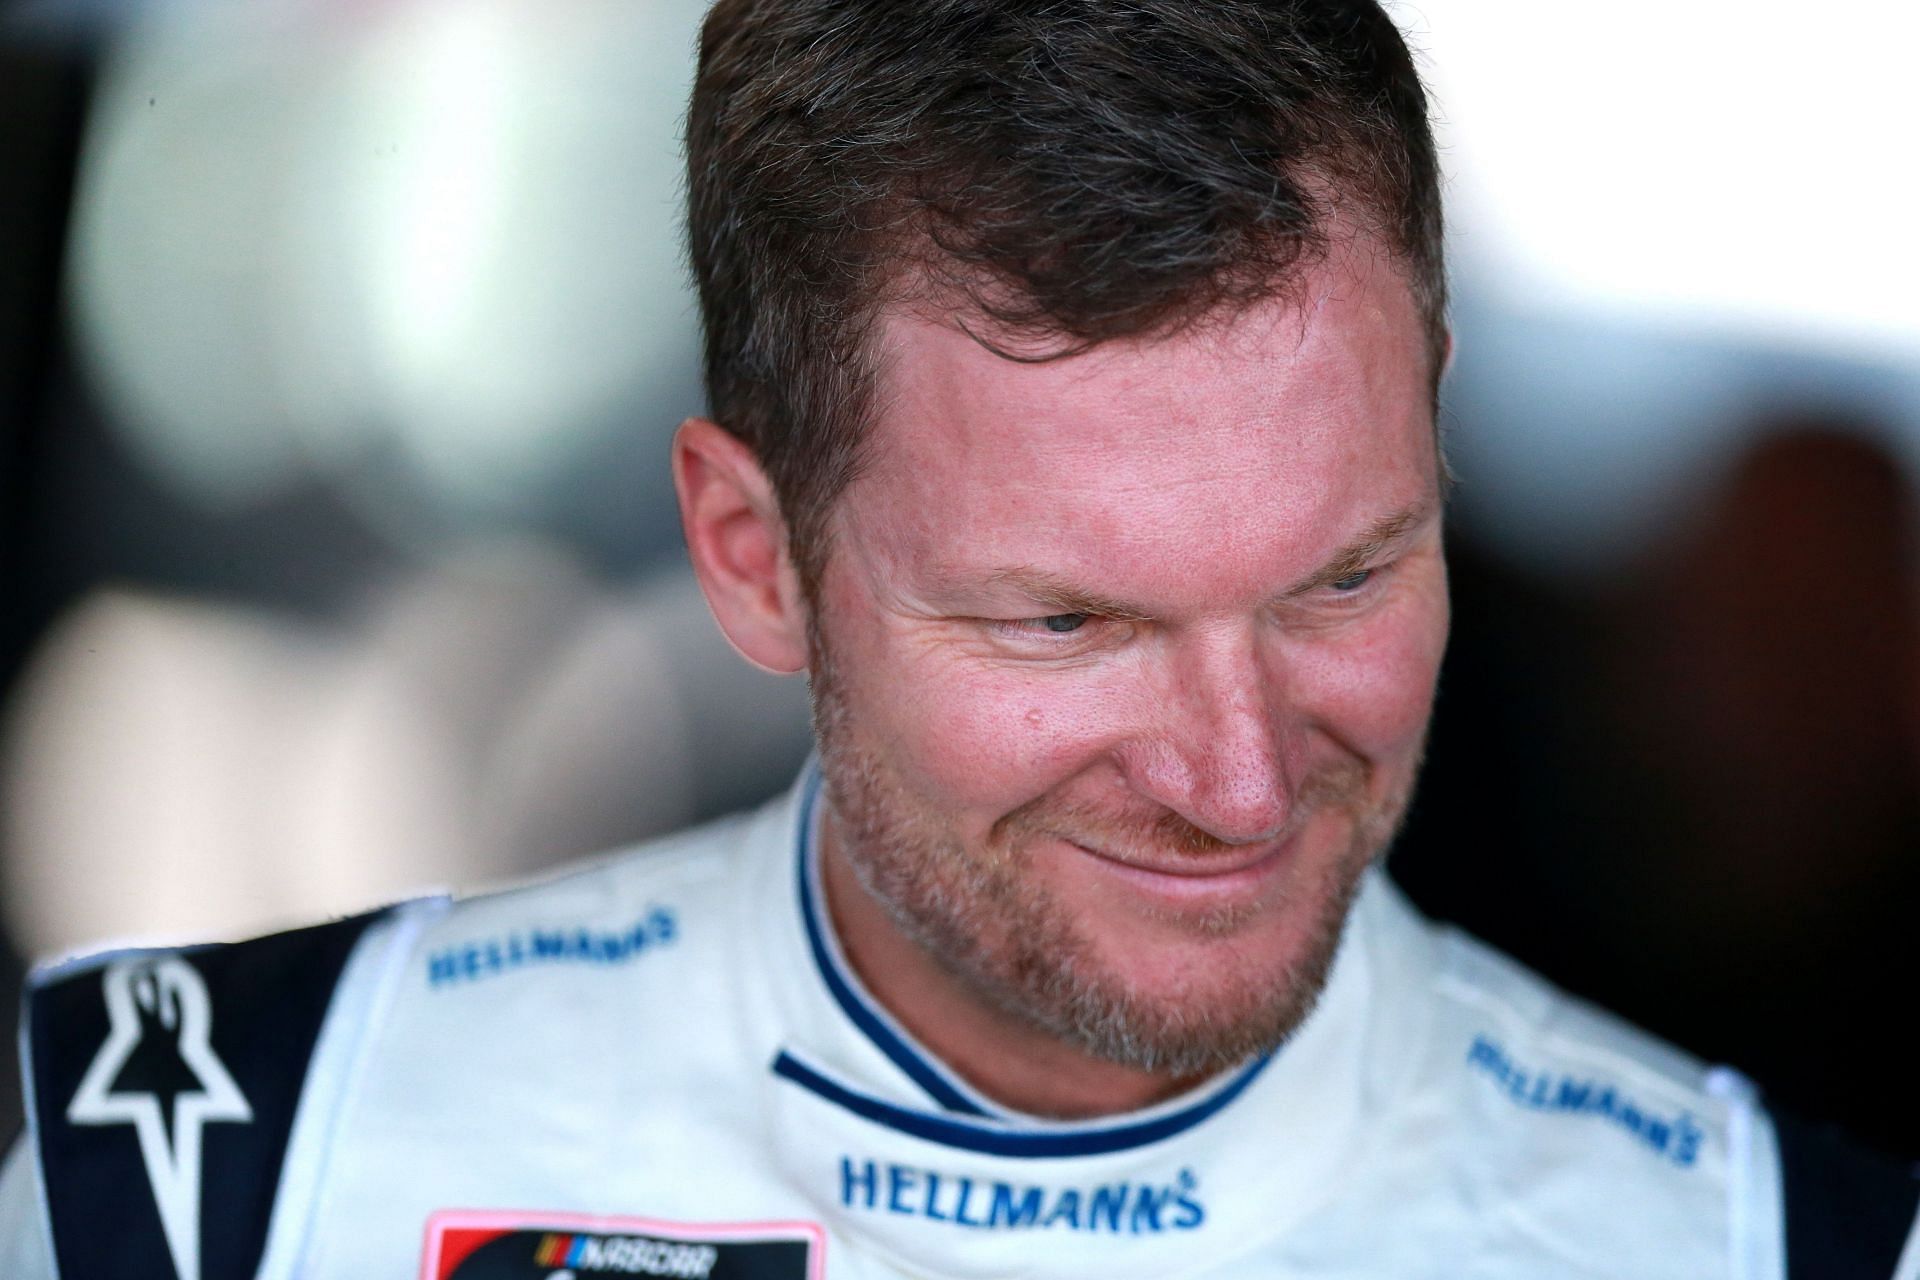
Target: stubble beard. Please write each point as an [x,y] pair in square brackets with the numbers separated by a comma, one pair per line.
[988,922]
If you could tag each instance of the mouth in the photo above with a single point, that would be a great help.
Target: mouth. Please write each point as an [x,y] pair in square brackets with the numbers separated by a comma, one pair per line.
[1197,878]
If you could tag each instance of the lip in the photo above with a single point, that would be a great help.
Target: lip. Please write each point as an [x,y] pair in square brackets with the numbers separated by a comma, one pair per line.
[1197,877]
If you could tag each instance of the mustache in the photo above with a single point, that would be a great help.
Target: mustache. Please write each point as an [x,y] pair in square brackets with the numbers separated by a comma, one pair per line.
[1341,784]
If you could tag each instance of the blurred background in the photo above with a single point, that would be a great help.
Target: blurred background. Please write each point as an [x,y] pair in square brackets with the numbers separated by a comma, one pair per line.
[340,344]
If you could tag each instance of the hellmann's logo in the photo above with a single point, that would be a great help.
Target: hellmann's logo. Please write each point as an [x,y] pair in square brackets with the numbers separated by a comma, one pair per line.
[487,957]
[1110,1208]
[1677,1138]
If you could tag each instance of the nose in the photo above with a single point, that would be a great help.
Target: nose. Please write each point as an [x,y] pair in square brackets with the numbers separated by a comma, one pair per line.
[1223,749]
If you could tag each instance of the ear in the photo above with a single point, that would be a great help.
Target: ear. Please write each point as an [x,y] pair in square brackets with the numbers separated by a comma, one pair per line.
[738,543]
[1446,357]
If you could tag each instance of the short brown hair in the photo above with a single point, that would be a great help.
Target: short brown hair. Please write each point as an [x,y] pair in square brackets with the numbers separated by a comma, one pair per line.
[1071,170]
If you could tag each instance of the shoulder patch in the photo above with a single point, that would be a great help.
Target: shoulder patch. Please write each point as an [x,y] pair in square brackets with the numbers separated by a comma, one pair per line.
[163,1086]
[1848,1209]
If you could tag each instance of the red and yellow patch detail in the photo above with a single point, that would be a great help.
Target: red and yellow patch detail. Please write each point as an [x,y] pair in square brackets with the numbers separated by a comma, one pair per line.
[553,1250]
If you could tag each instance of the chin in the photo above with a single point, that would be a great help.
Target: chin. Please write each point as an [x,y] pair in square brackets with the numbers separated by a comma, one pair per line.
[1194,994]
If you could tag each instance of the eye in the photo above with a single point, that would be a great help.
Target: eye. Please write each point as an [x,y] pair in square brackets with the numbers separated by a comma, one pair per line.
[1352,582]
[1055,634]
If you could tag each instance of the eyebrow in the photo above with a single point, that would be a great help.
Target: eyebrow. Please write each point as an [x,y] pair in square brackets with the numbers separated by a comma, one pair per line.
[1050,591]
[1357,555]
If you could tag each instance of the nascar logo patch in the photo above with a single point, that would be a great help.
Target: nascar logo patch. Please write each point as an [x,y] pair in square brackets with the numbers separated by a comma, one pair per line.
[482,1245]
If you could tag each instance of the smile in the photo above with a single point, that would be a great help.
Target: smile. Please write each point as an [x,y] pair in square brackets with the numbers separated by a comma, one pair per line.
[1197,877]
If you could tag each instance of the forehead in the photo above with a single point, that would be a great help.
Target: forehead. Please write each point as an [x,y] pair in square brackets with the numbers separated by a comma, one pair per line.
[1213,458]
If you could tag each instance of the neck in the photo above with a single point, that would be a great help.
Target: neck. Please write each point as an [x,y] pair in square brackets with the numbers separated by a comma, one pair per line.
[1006,1058]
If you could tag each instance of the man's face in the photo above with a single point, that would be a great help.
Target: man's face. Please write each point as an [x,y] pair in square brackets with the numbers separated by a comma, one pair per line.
[1124,660]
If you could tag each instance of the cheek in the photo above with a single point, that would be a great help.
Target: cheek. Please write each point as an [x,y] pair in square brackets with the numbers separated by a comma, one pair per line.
[1375,691]
[1019,734]
[983,737]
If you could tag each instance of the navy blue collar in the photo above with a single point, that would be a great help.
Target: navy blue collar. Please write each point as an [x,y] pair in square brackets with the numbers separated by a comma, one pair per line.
[965,1119]
[862,1009]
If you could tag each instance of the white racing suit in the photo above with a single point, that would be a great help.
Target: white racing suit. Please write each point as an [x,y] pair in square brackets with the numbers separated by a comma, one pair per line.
[661,1065]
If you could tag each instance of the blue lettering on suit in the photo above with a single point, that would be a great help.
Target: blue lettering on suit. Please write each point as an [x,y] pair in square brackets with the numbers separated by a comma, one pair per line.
[1112,1208]
[472,961]
[1676,1138]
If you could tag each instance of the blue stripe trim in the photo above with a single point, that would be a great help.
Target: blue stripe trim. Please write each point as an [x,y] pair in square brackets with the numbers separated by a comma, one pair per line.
[876,1028]
[1023,1144]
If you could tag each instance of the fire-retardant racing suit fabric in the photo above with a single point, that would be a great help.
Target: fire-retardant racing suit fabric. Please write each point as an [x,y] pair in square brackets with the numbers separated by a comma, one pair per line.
[661,1065]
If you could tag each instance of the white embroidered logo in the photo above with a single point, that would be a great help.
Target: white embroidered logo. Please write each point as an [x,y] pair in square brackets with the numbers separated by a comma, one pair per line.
[157,1072]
